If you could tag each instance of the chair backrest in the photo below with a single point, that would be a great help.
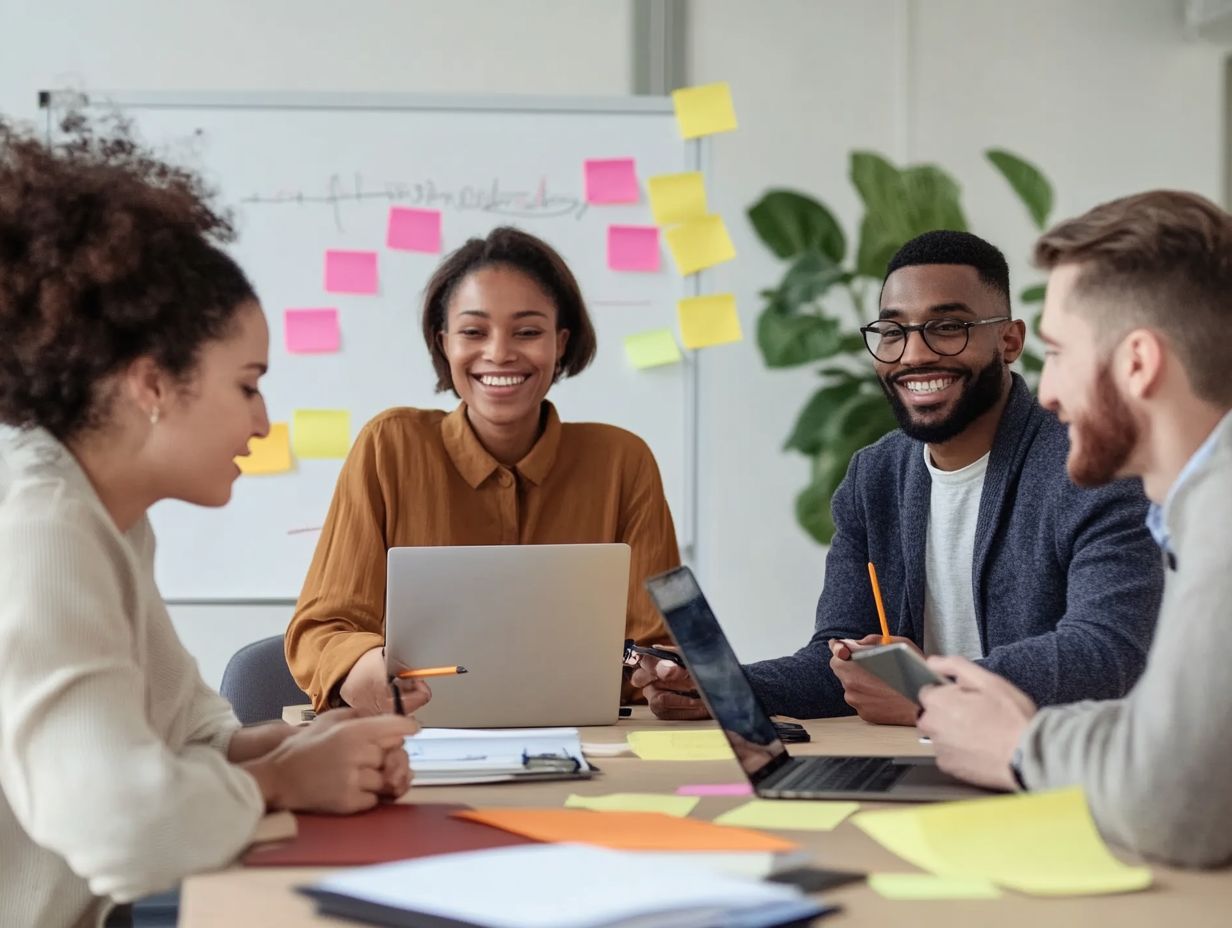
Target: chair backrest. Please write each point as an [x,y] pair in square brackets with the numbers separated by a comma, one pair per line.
[258,683]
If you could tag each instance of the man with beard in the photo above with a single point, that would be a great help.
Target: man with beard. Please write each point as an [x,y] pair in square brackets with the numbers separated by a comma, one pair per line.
[983,547]
[1136,324]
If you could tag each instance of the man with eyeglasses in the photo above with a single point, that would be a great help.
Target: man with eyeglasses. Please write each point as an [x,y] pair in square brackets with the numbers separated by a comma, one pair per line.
[983,546]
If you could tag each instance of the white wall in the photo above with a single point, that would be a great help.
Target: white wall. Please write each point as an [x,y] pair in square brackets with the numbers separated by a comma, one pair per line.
[1107,95]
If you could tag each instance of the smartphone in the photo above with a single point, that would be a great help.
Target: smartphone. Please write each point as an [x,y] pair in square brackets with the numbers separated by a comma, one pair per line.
[900,667]
[791,731]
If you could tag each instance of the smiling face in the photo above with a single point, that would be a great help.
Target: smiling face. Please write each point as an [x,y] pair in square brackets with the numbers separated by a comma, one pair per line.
[1077,384]
[935,397]
[209,421]
[502,345]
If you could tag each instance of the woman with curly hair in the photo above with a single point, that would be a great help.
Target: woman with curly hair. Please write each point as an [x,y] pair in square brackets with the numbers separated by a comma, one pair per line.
[130,358]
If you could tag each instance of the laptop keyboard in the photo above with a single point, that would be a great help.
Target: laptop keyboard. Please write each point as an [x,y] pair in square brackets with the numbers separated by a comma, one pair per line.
[837,775]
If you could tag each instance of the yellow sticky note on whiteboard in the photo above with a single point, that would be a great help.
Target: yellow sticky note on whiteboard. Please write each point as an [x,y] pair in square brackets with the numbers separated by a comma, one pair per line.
[321,433]
[652,349]
[677,197]
[699,244]
[709,320]
[269,455]
[704,110]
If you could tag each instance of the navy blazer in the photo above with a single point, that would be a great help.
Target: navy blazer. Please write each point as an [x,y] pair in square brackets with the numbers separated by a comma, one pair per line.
[1066,581]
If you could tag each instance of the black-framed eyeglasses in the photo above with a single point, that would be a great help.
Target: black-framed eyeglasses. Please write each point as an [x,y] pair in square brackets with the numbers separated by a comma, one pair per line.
[886,340]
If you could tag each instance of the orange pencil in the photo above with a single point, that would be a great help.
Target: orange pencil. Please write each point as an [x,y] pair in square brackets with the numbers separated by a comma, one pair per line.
[429,672]
[885,628]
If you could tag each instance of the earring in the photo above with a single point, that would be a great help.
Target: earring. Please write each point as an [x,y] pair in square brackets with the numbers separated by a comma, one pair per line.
[155,413]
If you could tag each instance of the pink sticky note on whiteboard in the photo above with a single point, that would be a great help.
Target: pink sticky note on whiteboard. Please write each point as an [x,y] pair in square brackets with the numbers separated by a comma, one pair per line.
[611,180]
[715,789]
[350,271]
[414,229]
[633,248]
[311,331]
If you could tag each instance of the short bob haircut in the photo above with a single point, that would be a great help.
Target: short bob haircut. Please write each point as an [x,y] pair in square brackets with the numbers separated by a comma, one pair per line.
[506,246]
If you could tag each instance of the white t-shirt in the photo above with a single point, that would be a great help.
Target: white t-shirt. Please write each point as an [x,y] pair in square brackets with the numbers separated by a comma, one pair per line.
[949,604]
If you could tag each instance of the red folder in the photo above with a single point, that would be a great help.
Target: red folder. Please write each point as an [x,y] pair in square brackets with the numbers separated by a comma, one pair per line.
[388,832]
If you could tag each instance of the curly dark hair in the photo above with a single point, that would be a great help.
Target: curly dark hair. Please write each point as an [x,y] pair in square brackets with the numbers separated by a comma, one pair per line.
[107,254]
[535,258]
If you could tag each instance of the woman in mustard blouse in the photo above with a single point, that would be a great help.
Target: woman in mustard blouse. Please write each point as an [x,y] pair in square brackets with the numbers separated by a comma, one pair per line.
[503,320]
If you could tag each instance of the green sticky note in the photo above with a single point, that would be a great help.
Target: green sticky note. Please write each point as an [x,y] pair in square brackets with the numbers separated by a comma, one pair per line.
[800,815]
[923,886]
[652,349]
[709,320]
[321,433]
[678,806]
[699,243]
[1044,844]
[704,744]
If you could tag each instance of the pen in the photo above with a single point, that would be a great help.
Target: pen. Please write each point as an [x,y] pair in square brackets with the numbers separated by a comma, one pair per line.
[429,672]
[885,629]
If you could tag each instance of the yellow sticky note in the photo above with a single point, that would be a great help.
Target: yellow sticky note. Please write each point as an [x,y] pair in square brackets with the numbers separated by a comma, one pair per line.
[704,110]
[1045,844]
[677,197]
[268,455]
[801,815]
[678,806]
[699,243]
[924,886]
[652,349]
[321,433]
[694,744]
[709,320]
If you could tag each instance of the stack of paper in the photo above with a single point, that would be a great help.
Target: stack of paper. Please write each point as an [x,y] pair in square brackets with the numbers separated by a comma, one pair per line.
[556,886]
[443,756]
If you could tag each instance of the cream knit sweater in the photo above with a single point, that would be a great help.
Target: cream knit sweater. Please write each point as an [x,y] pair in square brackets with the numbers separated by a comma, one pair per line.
[114,781]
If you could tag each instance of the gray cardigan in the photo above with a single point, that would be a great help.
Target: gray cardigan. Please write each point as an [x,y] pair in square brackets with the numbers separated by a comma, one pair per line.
[1156,764]
[1066,581]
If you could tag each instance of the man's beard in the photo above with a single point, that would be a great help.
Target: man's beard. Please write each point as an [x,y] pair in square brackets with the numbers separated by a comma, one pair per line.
[1102,437]
[979,395]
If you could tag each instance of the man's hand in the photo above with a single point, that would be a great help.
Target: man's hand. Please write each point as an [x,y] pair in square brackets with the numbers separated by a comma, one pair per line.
[976,724]
[666,687]
[366,688]
[873,700]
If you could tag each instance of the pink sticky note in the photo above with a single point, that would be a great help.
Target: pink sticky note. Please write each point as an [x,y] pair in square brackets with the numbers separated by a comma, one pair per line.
[350,271]
[311,331]
[611,180]
[414,229]
[633,248]
[715,789]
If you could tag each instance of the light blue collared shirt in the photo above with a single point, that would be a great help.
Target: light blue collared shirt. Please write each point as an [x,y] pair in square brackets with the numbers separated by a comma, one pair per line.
[1155,513]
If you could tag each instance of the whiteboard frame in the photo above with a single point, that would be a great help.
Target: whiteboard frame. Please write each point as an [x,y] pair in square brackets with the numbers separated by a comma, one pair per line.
[697,158]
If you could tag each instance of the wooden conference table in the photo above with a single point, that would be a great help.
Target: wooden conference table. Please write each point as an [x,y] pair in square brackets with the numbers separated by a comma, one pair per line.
[264,896]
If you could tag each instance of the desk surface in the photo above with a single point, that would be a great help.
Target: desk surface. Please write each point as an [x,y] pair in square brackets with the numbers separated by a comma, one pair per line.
[263,896]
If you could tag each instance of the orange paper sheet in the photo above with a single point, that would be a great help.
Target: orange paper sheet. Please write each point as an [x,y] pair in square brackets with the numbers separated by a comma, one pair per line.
[626,831]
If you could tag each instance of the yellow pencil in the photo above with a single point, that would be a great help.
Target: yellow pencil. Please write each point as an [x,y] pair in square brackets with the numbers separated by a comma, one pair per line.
[885,628]
[429,672]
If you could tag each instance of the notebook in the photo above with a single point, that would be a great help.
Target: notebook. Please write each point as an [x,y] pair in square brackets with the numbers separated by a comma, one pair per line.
[453,756]
[388,832]
[556,886]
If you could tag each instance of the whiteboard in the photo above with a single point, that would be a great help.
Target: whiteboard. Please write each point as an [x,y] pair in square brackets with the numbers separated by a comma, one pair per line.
[304,174]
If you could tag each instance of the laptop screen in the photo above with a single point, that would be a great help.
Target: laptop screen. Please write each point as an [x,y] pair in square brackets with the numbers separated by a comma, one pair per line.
[720,678]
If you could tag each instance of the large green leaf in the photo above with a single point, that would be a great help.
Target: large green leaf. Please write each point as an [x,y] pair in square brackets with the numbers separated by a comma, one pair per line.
[898,206]
[791,224]
[808,279]
[808,434]
[857,421]
[1028,182]
[788,339]
[813,502]
[1031,362]
[1032,294]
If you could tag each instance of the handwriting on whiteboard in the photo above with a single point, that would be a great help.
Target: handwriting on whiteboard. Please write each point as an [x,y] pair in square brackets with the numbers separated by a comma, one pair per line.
[493,197]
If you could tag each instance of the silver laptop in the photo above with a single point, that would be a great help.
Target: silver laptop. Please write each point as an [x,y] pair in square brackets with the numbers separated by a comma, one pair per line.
[772,771]
[539,628]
